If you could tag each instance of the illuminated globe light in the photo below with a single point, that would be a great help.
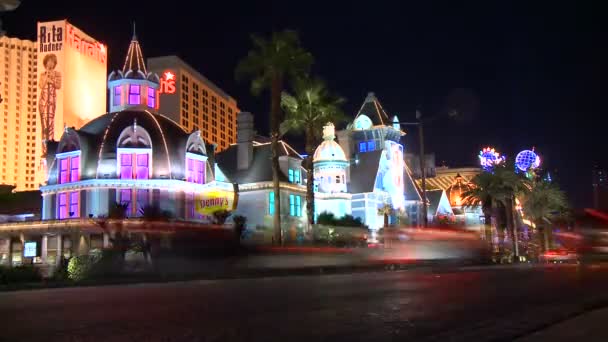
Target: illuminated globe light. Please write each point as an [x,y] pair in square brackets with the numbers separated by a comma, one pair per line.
[526,160]
[488,158]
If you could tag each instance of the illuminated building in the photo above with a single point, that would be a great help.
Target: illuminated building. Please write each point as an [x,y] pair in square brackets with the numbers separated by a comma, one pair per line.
[247,163]
[330,169]
[377,173]
[194,102]
[19,140]
[132,156]
[472,216]
[72,70]
[38,103]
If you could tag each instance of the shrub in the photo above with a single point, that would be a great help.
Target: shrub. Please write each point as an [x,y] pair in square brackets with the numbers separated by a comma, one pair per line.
[19,274]
[83,266]
[329,219]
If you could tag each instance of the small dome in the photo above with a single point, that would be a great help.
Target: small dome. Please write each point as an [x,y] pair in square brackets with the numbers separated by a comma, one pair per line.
[455,191]
[115,75]
[329,150]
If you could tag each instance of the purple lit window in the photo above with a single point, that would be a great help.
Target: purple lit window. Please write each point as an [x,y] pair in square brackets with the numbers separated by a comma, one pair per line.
[151,97]
[63,171]
[74,169]
[142,201]
[142,166]
[190,169]
[62,205]
[200,171]
[74,199]
[125,198]
[117,96]
[134,94]
[126,166]
[195,171]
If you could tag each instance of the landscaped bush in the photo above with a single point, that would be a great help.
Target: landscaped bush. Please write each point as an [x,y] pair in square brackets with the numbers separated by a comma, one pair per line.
[97,264]
[19,274]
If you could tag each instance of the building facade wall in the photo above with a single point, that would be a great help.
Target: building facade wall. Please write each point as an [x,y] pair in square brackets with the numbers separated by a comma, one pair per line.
[194,102]
[20,127]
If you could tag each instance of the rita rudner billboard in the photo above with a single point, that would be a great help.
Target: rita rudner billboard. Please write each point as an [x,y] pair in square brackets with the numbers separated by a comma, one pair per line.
[72,69]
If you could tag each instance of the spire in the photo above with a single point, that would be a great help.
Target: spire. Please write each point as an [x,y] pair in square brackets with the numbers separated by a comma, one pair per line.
[373,109]
[135,58]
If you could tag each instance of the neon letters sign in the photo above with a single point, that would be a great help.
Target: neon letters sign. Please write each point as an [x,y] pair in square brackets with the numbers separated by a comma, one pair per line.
[167,83]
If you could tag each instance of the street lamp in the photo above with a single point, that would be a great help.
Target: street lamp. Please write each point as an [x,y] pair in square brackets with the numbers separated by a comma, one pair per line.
[422,166]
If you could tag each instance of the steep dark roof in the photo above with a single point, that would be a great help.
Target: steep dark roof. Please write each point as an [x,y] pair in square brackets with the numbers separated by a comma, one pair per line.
[412,192]
[135,58]
[373,109]
[433,197]
[99,137]
[363,173]
[260,169]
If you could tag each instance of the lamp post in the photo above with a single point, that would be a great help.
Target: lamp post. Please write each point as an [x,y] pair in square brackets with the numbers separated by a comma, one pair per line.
[422,163]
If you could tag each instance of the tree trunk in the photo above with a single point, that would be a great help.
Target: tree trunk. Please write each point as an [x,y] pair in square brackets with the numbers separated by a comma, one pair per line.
[275,121]
[540,230]
[310,186]
[488,228]
[385,220]
[547,237]
[512,228]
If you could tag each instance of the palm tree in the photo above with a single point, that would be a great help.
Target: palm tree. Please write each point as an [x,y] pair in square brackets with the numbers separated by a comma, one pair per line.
[481,194]
[268,65]
[308,110]
[386,210]
[544,203]
[506,186]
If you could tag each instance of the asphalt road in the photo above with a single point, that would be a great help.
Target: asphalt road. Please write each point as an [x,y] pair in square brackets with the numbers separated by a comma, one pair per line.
[467,304]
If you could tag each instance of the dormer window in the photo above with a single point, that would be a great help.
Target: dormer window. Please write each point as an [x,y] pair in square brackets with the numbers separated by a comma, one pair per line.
[117,99]
[134,94]
[134,165]
[134,153]
[294,176]
[195,168]
[151,97]
[196,160]
[69,167]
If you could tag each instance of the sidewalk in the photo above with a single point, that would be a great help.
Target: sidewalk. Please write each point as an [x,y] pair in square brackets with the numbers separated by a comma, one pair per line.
[587,327]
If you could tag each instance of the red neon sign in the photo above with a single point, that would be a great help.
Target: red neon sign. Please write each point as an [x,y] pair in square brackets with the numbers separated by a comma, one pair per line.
[167,83]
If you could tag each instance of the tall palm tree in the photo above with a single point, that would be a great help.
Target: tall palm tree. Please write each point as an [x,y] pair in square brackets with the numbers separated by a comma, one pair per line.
[481,194]
[307,110]
[544,203]
[268,64]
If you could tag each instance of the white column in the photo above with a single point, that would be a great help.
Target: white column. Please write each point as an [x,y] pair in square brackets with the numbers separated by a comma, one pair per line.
[44,248]
[106,240]
[59,249]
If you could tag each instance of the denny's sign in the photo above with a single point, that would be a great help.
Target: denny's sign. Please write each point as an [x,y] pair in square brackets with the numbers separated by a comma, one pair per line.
[212,201]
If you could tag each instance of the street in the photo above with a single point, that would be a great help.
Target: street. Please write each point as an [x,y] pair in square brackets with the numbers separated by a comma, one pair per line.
[458,304]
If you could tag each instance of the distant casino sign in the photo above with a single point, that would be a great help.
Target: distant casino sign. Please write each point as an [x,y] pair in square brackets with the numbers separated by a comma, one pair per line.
[51,39]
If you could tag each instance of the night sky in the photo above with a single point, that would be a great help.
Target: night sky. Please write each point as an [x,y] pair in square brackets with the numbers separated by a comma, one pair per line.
[518,76]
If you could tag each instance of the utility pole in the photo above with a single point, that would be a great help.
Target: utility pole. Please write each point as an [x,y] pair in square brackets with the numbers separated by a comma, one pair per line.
[425,219]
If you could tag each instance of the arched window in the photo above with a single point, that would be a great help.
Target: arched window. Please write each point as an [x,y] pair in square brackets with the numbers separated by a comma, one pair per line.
[68,158]
[134,153]
[134,162]
[196,159]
